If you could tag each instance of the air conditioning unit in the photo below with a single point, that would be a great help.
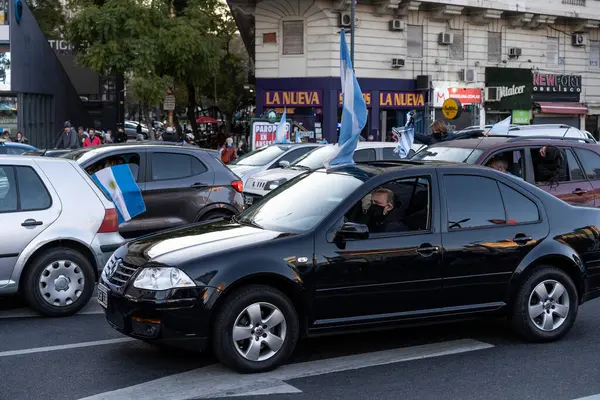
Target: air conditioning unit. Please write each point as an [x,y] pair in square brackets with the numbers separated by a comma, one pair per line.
[468,75]
[398,62]
[578,40]
[514,52]
[397,25]
[345,20]
[492,94]
[445,38]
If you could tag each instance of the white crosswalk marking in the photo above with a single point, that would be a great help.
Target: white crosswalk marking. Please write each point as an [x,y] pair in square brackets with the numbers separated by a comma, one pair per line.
[218,381]
[92,308]
[64,347]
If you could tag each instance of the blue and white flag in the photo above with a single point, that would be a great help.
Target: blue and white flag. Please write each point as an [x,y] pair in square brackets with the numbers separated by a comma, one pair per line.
[405,136]
[281,132]
[298,137]
[120,186]
[501,128]
[354,114]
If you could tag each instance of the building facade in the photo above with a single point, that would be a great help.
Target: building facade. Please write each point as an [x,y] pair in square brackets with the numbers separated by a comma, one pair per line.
[536,60]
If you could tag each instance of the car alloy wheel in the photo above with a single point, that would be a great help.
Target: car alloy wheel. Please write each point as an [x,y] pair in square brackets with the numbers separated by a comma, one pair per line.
[259,331]
[61,283]
[548,305]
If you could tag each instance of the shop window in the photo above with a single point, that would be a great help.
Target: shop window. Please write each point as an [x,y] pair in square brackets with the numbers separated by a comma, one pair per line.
[414,41]
[494,46]
[552,51]
[457,48]
[293,37]
[594,53]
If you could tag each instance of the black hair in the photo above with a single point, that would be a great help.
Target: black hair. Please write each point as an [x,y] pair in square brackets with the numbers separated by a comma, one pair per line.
[551,164]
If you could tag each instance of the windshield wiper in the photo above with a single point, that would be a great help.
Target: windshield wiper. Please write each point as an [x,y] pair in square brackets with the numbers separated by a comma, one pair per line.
[302,167]
[248,222]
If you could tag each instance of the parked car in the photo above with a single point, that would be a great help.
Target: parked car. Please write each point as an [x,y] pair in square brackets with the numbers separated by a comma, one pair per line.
[130,128]
[579,179]
[550,130]
[439,242]
[44,255]
[15,149]
[261,183]
[269,157]
[180,183]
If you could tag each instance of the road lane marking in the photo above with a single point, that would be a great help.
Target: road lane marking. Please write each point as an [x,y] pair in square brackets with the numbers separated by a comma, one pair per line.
[64,347]
[219,381]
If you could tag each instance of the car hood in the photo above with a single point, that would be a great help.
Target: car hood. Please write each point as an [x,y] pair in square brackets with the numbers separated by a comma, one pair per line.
[276,174]
[176,246]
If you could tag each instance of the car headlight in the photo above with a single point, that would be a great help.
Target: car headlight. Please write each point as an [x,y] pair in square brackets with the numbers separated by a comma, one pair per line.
[274,184]
[162,278]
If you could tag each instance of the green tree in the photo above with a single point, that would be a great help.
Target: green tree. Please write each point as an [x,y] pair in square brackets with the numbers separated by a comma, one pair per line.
[50,16]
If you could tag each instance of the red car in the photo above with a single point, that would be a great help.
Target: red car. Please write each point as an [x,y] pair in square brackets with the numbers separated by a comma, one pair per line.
[579,178]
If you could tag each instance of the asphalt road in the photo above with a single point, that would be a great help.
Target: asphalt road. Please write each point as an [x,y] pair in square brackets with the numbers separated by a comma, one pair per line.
[82,357]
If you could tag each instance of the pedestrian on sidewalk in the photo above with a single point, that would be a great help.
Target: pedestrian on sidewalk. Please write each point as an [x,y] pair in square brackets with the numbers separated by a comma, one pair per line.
[92,140]
[228,153]
[68,138]
[21,138]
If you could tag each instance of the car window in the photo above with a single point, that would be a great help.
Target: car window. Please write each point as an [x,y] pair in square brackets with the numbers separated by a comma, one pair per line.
[591,163]
[512,160]
[519,209]
[388,154]
[463,193]
[16,151]
[175,166]
[316,158]
[452,154]
[131,159]
[295,154]
[364,155]
[261,156]
[8,190]
[549,172]
[397,206]
[575,172]
[33,194]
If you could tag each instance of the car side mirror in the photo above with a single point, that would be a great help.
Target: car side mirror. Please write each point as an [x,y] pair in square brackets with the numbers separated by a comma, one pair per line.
[351,230]
[284,164]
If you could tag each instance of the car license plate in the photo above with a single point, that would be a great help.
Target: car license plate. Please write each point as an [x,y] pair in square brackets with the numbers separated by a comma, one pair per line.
[103,295]
[248,200]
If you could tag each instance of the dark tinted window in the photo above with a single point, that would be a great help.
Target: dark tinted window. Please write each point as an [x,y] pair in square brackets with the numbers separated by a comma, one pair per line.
[575,172]
[8,190]
[364,155]
[296,154]
[32,192]
[131,159]
[591,163]
[473,201]
[519,209]
[16,151]
[388,154]
[174,166]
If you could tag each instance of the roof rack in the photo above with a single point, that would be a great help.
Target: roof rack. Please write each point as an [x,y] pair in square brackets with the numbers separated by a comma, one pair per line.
[571,138]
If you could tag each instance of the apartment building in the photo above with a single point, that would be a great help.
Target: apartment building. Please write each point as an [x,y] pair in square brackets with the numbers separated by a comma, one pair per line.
[536,60]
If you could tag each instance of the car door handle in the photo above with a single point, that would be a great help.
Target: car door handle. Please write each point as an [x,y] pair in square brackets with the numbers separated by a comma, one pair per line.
[31,222]
[579,192]
[199,185]
[426,250]
[522,239]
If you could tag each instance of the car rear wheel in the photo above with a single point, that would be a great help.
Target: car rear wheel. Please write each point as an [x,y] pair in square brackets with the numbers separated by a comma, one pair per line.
[255,330]
[59,282]
[546,305]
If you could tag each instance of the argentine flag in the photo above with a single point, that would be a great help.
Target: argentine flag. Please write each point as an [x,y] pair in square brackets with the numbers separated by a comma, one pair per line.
[405,136]
[354,114]
[120,186]
[501,128]
[281,132]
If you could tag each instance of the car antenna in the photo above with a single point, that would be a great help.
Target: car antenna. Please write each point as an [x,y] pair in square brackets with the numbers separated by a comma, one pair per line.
[478,143]
[566,131]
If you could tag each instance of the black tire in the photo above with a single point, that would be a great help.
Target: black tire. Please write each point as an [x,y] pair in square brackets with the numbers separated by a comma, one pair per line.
[36,268]
[521,321]
[222,334]
[215,215]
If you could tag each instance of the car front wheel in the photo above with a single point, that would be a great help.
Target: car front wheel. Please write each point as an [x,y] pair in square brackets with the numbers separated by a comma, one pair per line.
[546,305]
[59,282]
[256,329]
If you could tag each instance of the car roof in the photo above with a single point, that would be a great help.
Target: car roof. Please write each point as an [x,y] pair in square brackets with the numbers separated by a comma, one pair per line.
[375,145]
[6,159]
[137,145]
[494,142]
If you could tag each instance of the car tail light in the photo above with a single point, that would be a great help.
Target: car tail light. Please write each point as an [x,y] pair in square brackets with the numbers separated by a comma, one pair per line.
[110,222]
[238,186]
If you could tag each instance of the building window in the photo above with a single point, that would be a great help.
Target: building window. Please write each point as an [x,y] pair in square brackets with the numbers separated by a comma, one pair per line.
[293,37]
[594,53]
[494,47]
[552,51]
[457,48]
[414,41]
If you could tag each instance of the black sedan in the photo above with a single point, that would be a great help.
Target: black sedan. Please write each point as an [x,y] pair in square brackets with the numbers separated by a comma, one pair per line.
[359,247]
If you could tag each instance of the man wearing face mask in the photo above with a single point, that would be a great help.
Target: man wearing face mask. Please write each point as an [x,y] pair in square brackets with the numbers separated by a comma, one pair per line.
[379,214]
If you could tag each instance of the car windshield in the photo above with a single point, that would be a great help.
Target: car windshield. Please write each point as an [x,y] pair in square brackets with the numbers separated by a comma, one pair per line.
[315,158]
[261,156]
[452,154]
[286,208]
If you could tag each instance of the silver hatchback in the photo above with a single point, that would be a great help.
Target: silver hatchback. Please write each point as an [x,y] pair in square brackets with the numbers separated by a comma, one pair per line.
[58,229]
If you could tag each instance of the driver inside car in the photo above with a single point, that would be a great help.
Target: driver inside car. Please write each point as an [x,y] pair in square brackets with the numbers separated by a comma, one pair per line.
[379,217]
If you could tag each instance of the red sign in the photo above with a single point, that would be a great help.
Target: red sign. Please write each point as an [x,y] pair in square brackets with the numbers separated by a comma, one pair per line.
[263,133]
[464,95]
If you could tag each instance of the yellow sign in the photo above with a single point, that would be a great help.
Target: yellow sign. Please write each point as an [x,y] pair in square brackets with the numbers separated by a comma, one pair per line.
[451,108]
[401,100]
[293,98]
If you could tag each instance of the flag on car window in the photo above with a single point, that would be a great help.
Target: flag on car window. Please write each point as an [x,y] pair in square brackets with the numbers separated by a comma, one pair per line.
[405,136]
[501,128]
[119,185]
[281,131]
[354,112]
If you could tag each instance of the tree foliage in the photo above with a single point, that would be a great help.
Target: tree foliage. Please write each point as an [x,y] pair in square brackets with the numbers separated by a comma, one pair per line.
[50,17]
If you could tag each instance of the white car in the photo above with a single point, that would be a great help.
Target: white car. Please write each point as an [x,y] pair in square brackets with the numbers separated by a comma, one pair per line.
[542,130]
[58,231]
[269,157]
[262,183]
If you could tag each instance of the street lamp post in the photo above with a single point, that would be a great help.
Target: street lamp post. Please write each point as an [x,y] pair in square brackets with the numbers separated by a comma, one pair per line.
[352,27]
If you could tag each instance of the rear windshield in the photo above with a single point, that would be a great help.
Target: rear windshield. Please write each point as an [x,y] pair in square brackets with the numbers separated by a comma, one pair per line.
[261,156]
[451,154]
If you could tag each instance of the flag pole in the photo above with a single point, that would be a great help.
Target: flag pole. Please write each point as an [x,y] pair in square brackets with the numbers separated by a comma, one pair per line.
[352,26]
